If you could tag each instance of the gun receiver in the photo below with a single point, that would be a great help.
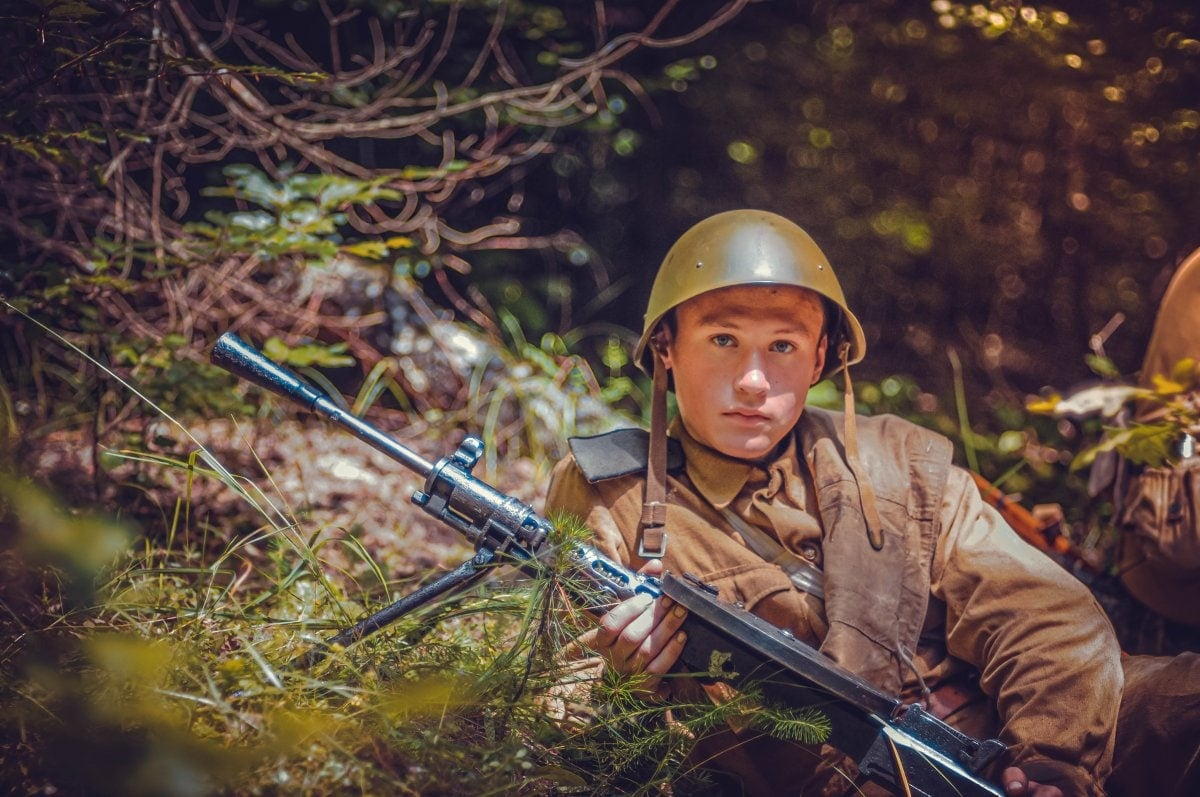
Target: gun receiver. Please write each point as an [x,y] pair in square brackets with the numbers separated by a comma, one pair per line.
[897,745]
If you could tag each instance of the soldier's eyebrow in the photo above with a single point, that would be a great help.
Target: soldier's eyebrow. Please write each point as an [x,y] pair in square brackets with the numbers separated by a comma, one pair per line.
[728,314]
[737,315]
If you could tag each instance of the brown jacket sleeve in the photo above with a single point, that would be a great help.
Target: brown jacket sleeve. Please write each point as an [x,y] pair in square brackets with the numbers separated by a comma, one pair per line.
[1046,652]
[572,494]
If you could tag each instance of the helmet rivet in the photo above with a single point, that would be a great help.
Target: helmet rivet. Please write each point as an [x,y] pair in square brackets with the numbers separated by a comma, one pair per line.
[820,266]
[699,264]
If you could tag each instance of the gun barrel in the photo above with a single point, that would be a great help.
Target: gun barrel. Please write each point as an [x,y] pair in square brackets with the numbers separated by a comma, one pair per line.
[241,359]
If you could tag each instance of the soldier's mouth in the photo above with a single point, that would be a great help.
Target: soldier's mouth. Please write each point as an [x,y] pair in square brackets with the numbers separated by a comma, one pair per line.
[747,416]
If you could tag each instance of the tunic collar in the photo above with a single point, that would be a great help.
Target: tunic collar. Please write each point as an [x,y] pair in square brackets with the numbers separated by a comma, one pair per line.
[719,478]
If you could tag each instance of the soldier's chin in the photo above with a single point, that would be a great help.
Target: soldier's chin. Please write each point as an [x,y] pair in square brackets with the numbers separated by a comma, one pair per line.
[748,448]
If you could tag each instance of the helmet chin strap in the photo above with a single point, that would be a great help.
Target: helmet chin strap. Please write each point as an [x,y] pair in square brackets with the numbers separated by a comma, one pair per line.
[652,539]
[866,492]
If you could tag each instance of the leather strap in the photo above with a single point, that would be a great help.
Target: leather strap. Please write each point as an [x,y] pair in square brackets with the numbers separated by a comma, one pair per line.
[866,492]
[652,535]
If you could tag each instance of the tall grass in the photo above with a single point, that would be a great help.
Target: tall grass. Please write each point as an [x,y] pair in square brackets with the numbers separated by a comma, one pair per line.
[175,670]
[169,660]
[172,671]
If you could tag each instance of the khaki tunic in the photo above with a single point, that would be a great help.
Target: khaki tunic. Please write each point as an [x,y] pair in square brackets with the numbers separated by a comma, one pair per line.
[1000,640]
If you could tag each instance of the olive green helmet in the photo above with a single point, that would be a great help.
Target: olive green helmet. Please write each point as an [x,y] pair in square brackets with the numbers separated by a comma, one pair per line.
[749,247]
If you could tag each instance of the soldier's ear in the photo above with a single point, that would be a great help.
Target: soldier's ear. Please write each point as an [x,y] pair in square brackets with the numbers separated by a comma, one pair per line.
[819,363]
[661,343]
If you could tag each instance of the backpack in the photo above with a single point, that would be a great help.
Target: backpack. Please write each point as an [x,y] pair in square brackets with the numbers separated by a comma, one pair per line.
[1158,508]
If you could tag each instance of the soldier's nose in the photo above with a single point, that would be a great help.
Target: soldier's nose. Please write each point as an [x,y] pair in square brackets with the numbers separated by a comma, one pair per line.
[753,380]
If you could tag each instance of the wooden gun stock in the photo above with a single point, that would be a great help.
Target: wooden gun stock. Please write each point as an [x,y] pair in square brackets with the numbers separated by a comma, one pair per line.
[1045,535]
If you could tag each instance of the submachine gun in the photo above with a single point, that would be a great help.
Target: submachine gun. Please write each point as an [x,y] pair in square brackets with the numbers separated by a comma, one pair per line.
[900,746]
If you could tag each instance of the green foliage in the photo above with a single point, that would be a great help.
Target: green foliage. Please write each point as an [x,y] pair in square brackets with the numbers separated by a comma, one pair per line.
[538,395]
[302,215]
[309,354]
[1145,444]
[803,726]
[175,677]
[897,394]
[634,748]
[410,148]
[52,144]
[1170,410]
[297,193]
[179,674]
[78,545]
[922,145]
[181,386]
[71,386]
[1102,367]
[164,667]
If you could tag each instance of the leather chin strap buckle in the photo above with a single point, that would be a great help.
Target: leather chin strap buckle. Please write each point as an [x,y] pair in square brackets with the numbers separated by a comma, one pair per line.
[652,543]
[652,537]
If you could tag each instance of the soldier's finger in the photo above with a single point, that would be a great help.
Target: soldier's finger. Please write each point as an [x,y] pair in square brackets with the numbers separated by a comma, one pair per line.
[650,685]
[667,655]
[668,617]
[635,640]
[616,621]
[653,567]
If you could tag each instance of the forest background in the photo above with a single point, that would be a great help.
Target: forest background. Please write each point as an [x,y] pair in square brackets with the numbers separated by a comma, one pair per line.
[449,212]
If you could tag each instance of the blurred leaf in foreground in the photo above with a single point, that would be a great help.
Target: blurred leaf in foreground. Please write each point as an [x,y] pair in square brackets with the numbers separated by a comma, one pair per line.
[81,545]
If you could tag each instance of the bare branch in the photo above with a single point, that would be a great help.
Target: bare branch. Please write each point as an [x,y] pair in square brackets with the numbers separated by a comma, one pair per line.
[444,108]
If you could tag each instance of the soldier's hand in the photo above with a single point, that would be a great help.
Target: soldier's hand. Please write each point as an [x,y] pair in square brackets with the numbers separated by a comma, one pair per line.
[1018,784]
[641,636]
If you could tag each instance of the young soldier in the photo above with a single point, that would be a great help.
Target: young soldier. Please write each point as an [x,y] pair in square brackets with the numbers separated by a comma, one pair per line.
[855,534]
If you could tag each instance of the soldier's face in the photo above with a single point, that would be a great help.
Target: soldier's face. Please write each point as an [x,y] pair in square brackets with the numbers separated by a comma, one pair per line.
[743,359]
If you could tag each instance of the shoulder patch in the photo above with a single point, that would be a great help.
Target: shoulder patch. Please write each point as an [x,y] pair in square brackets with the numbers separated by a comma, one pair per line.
[619,453]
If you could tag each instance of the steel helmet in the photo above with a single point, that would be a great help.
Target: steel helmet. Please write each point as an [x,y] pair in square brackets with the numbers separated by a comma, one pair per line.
[748,247]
